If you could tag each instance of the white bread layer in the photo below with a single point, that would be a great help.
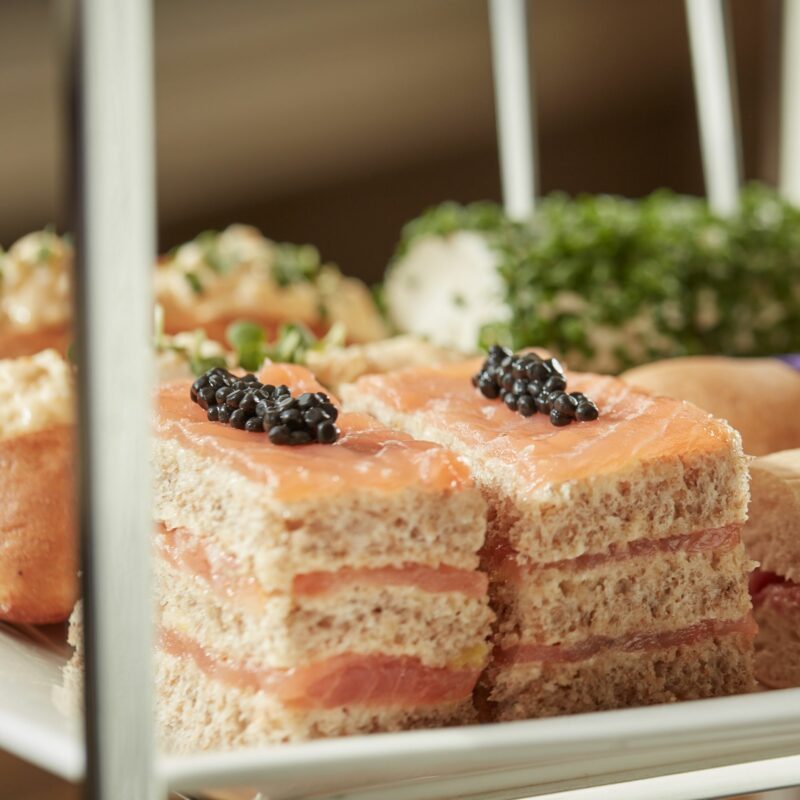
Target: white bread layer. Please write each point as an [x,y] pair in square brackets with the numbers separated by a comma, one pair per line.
[441,629]
[666,591]
[275,541]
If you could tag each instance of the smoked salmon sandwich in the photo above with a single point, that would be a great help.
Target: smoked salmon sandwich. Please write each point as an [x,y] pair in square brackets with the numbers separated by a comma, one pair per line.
[613,550]
[772,537]
[317,573]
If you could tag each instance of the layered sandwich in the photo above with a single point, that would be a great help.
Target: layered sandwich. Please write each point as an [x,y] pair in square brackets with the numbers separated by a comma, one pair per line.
[316,571]
[613,550]
[37,532]
[772,536]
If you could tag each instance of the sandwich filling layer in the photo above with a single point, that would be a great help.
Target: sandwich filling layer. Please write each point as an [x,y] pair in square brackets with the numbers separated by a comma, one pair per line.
[222,572]
[647,585]
[705,630]
[348,679]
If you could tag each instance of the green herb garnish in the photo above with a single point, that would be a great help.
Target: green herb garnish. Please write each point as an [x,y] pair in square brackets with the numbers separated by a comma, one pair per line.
[249,343]
[194,282]
[199,364]
[295,263]
[292,344]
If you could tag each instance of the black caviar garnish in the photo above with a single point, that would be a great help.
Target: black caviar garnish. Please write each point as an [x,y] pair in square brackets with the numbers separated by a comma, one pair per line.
[528,384]
[247,404]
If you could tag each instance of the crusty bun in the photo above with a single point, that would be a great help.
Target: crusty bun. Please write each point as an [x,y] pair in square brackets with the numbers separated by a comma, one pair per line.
[736,390]
[772,533]
[38,572]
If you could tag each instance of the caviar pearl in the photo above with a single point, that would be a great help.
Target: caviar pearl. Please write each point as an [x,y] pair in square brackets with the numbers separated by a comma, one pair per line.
[559,419]
[327,432]
[555,383]
[254,425]
[565,405]
[526,406]
[279,434]
[239,418]
[586,412]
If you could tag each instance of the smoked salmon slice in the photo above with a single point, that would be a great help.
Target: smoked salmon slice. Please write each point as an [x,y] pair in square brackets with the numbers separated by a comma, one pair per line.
[180,548]
[707,629]
[349,679]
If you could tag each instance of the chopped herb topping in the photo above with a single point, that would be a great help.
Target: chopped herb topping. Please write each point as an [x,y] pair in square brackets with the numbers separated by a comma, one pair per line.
[610,282]
[209,244]
[199,364]
[194,282]
[193,353]
[295,263]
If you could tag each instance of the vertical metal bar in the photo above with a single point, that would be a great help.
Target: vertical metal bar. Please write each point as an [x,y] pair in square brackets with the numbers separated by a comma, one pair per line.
[513,103]
[715,95]
[113,206]
[790,103]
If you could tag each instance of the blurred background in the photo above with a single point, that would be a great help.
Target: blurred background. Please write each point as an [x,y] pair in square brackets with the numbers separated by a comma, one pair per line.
[334,122]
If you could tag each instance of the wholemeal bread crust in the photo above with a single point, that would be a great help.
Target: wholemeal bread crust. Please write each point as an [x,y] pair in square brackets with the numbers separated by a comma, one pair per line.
[665,592]
[617,679]
[772,533]
[38,549]
[274,541]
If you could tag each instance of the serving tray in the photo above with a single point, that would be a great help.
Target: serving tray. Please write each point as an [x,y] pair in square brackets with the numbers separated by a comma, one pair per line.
[515,759]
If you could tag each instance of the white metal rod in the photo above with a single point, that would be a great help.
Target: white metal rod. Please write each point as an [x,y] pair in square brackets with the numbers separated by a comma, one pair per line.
[790,103]
[716,103]
[113,203]
[513,104]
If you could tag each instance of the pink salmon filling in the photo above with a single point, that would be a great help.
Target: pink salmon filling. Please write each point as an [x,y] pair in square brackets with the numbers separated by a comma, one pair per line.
[767,588]
[504,563]
[183,550]
[349,679]
[707,629]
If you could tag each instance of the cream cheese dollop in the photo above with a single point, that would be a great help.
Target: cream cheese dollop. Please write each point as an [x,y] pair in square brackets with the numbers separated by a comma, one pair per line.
[446,288]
